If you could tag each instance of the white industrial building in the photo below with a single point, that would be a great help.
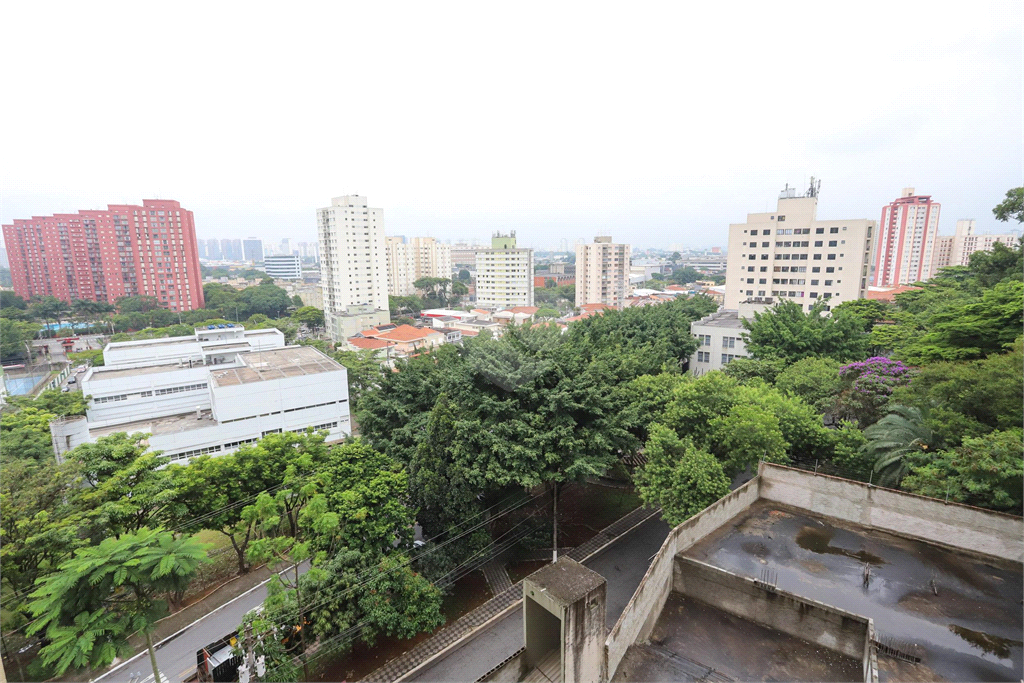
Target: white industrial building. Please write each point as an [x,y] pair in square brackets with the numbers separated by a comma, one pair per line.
[283,267]
[209,393]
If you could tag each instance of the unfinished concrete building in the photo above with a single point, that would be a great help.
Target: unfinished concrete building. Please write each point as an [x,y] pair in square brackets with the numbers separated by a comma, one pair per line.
[792,576]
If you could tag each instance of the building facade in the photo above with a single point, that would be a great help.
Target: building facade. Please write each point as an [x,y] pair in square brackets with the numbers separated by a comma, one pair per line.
[602,273]
[720,336]
[252,250]
[209,393]
[213,250]
[410,260]
[353,260]
[124,250]
[906,240]
[790,255]
[283,267]
[504,274]
[956,249]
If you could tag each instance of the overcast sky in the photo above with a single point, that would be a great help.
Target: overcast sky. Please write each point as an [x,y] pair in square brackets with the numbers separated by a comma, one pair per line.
[655,123]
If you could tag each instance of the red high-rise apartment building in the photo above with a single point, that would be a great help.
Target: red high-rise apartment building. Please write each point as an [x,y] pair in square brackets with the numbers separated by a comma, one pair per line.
[907,235]
[126,250]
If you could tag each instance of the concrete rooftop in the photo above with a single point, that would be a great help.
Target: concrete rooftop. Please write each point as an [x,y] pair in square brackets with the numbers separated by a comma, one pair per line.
[260,366]
[695,641]
[171,424]
[959,612]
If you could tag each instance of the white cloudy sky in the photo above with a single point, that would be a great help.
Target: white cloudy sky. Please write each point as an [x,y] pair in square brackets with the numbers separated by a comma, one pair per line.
[656,123]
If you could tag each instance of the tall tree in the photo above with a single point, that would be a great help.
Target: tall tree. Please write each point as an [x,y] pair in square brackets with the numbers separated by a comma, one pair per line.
[1011,208]
[90,606]
[893,440]
[785,331]
[680,477]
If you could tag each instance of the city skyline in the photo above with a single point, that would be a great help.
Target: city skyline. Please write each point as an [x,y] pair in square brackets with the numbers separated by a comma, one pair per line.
[652,163]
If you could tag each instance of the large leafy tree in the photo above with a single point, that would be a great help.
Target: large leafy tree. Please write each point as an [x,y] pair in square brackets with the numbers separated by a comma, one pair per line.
[679,476]
[14,334]
[364,372]
[986,471]
[973,329]
[106,592]
[747,434]
[1011,208]
[786,331]
[815,380]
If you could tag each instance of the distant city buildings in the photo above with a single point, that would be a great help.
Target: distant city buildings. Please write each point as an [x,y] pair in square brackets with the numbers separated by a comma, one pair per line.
[103,255]
[252,250]
[353,263]
[283,267]
[231,250]
[602,272]
[209,393]
[410,260]
[504,274]
[907,235]
[4,262]
[956,249]
[464,254]
[789,255]
[720,336]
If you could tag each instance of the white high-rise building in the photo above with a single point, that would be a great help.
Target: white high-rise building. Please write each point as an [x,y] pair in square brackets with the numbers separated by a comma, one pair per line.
[504,274]
[353,263]
[411,260]
[789,254]
[956,249]
[602,272]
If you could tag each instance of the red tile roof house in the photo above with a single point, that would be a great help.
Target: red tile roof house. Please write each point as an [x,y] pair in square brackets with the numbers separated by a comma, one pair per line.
[406,339]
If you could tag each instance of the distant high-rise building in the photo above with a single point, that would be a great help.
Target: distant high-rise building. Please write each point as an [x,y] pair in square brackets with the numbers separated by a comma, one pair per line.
[4,262]
[410,260]
[353,263]
[464,254]
[788,254]
[201,248]
[231,250]
[602,272]
[906,240]
[123,250]
[283,267]
[252,250]
[504,274]
[213,250]
[956,249]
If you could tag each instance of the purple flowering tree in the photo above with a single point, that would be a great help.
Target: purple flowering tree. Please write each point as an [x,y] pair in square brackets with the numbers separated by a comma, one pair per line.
[867,387]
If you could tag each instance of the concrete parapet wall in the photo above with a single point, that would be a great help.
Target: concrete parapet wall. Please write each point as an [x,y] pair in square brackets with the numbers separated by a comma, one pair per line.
[799,617]
[641,613]
[949,524]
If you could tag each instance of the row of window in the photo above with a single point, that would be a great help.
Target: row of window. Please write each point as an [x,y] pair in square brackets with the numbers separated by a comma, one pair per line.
[278,412]
[796,231]
[180,389]
[235,444]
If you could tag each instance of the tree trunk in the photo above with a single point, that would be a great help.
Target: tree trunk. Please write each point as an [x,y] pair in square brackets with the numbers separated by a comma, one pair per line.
[302,624]
[243,568]
[152,657]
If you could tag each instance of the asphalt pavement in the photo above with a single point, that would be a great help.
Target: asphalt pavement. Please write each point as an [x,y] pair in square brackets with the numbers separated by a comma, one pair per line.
[176,654]
[623,564]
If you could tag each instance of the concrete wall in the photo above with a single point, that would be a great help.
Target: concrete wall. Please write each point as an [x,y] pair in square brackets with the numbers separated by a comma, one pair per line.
[799,617]
[928,519]
[641,613]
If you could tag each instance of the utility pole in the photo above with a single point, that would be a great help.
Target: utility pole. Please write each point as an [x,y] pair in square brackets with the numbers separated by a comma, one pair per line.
[554,534]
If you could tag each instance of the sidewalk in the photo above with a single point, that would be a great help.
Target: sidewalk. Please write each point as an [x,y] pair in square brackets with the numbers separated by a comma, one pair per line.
[428,649]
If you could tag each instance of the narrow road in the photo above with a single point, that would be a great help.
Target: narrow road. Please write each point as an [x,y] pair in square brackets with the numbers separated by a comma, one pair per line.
[176,655]
[623,565]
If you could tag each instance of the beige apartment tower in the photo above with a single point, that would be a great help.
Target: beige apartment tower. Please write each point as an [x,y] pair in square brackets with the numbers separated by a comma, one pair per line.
[504,274]
[602,272]
[788,254]
[353,263]
[956,249]
[410,260]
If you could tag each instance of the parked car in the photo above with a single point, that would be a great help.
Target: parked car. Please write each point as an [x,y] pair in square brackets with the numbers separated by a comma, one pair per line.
[73,380]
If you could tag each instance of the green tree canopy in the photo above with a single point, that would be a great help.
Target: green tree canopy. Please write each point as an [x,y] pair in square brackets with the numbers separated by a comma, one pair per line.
[785,331]
[680,477]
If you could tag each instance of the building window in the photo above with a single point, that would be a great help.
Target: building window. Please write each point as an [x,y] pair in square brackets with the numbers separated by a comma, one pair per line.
[727,358]
[833,231]
[728,342]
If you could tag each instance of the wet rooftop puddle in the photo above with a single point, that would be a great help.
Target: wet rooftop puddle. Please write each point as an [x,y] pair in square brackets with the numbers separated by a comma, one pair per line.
[993,645]
[819,540]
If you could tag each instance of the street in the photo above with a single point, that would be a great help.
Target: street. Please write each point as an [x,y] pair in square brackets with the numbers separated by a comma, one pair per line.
[176,655]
